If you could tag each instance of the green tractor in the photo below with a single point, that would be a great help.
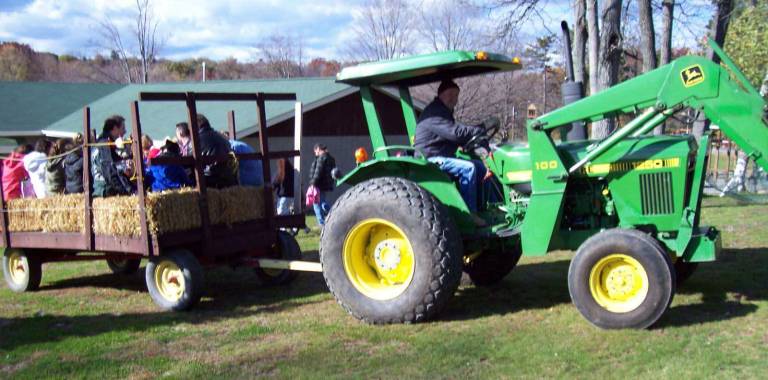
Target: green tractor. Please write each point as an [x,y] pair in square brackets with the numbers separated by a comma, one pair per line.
[396,243]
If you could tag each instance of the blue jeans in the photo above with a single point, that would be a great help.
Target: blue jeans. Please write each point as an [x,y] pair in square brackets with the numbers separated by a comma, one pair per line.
[467,172]
[284,205]
[321,208]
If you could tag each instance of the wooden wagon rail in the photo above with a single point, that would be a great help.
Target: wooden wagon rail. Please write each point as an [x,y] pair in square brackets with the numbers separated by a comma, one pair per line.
[210,242]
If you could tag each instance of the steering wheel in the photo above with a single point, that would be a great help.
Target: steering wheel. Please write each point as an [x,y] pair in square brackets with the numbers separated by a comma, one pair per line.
[482,139]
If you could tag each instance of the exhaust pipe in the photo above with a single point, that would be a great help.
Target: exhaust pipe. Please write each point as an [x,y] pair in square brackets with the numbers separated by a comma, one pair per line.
[571,90]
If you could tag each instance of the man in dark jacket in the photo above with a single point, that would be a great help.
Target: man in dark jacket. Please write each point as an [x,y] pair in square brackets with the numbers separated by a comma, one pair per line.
[222,173]
[438,136]
[320,177]
[110,171]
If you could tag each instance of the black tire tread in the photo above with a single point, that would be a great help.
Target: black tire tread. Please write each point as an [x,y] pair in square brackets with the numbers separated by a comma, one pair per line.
[443,235]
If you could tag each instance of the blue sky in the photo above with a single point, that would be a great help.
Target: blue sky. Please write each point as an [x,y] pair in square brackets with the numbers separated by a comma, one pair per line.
[216,29]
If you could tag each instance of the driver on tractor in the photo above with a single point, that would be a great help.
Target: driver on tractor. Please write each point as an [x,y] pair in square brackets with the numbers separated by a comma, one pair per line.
[438,136]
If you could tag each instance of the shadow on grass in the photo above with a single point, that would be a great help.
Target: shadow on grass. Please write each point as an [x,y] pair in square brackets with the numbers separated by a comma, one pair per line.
[739,273]
[728,287]
[230,294]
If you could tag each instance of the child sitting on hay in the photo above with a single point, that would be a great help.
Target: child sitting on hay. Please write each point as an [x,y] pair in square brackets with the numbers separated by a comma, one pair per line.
[161,177]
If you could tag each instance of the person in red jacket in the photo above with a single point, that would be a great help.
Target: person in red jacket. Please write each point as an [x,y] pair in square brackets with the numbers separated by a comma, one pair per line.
[14,173]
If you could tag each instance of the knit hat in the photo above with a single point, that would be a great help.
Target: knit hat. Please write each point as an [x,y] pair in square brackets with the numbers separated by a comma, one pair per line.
[445,85]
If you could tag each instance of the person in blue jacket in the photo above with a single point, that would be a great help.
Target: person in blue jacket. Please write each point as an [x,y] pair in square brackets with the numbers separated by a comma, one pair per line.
[167,176]
[250,171]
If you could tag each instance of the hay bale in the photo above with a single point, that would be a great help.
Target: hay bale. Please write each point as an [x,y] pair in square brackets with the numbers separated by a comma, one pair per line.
[59,213]
[167,211]
[64,213]
[25,214]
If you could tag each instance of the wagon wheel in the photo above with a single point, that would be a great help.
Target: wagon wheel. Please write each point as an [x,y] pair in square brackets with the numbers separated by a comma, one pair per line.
[124,266]
[22,271]
[175,280]
[287,248]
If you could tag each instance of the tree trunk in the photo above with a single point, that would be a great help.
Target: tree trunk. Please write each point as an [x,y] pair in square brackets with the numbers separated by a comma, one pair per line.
[579,40]
[668,12]
[764,86]
[593,33]
[610,56]
[717,31]
[648,44]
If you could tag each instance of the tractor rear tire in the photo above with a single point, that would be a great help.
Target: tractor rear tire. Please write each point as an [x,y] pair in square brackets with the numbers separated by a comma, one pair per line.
[175,280]
[621,278]
[390,252]
[21,270]
[493,265]
[124,266]
[287,248]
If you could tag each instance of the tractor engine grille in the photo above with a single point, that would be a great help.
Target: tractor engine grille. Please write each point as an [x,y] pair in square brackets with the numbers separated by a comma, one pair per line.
[656,193]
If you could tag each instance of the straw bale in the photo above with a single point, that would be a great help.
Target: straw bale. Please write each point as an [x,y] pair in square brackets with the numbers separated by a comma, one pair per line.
[64,213]
[167,211]
[61,213]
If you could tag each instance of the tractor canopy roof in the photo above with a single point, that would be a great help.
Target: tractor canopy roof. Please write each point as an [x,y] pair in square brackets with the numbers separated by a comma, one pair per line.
[427,68]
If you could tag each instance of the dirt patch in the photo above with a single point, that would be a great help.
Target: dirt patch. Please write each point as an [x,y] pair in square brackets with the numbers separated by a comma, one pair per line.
[13,368]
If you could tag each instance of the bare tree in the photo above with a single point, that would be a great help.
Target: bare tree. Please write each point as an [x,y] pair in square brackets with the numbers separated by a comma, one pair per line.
[668,13]
[383,30]
[593,33]
[579,40]
[449,25]
[145,31]
[609,59]
[147,43]
[113,41]
[717,31]
[283,55]
[648,43]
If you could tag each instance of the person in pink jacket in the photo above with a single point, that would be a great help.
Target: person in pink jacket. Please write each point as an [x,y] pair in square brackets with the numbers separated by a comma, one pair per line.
[14,173]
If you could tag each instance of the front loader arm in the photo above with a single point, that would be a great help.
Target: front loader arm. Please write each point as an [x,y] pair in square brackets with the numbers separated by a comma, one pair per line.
[726,98]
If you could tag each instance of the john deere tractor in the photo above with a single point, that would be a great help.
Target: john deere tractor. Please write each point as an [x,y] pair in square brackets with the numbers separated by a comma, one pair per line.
[396,243]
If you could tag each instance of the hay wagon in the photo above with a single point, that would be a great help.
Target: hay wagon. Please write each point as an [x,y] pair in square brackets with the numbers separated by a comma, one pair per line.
[178,232]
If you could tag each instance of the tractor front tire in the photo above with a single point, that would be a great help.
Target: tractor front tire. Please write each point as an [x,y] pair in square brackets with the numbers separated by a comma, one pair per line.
[175,280]
[492,265]
[124,266]
[621,278]
[21,270]
[287,248]
[390,252]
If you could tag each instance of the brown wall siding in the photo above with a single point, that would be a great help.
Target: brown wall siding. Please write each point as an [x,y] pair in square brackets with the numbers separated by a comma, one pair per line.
[344,117]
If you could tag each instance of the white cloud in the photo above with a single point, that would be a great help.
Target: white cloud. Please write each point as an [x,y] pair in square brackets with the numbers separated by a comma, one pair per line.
[193,28]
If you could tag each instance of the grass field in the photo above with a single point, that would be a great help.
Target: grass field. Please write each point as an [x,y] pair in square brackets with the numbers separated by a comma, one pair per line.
[88,323]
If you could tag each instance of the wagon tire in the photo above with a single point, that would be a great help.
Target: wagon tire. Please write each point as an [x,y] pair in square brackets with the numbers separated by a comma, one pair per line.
[22,271]
[390,252]
[175,280]
[286,248]
[124,266]
[621,278]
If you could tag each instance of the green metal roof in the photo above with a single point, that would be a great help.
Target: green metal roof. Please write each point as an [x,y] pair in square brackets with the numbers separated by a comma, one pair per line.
[26,108]
[427,68]
[158,119]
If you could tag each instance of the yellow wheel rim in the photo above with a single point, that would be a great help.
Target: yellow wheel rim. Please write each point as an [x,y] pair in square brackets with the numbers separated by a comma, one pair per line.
[618,283]
[18,268]
[378,259]
[169,281]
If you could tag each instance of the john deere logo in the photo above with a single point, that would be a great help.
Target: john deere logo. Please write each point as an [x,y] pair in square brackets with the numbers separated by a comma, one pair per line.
[692,76]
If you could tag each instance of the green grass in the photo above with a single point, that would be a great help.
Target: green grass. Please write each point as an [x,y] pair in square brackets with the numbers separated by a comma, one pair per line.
[87,323]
